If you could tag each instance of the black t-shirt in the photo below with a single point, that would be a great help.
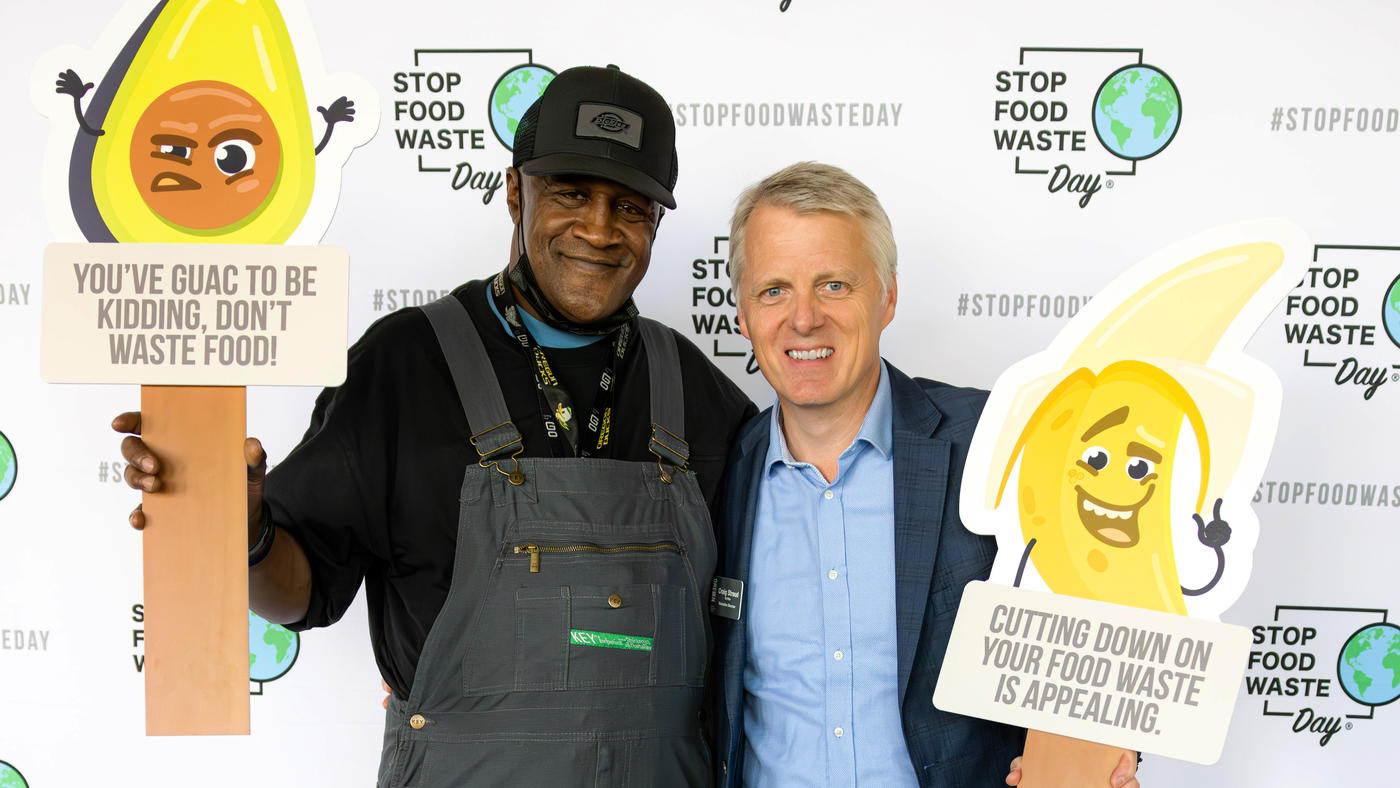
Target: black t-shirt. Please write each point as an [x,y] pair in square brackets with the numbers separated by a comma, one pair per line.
[371,493]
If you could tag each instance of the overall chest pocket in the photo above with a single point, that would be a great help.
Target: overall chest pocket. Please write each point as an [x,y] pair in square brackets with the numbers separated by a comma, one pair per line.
[587,616]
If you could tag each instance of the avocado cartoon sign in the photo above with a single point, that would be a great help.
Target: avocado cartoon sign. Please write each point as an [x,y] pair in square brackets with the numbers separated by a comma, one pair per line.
[198,126]
[1115,470]
[187,181]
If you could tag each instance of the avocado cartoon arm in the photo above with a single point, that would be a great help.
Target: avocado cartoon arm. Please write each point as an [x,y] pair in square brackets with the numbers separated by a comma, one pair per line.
[1213,535]
[342,109]
[70,83]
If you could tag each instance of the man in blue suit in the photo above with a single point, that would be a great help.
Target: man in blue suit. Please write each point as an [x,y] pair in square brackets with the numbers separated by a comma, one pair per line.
[841,555]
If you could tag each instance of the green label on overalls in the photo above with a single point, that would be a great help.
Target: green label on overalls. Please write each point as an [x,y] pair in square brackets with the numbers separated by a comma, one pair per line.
[582,637]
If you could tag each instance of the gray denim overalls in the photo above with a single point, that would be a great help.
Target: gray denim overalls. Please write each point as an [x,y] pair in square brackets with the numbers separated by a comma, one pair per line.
[572,646]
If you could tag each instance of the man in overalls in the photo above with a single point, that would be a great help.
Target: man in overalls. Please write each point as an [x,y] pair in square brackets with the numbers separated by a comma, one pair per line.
[520,475]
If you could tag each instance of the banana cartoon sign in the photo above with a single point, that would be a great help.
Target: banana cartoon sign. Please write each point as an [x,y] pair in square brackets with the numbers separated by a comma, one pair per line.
[1119,463]
[1117,466]
[191,122]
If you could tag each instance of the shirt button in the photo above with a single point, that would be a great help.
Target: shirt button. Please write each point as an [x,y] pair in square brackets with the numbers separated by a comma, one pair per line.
[828,495]
[839,656]
[831,575]
[839,732]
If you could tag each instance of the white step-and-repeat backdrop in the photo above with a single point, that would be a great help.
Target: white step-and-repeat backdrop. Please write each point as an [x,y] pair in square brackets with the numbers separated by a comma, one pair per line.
[1026,152]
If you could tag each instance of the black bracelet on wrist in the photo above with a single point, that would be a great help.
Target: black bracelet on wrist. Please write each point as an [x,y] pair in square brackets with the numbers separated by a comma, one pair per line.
[263,546]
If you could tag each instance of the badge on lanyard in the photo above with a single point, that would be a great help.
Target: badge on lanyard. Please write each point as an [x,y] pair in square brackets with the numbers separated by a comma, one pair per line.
[727,597]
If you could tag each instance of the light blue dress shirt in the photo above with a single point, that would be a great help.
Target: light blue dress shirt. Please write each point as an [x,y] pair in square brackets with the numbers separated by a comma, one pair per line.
[821,673]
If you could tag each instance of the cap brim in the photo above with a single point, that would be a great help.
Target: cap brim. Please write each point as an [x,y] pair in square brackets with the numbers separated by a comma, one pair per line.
[578,164]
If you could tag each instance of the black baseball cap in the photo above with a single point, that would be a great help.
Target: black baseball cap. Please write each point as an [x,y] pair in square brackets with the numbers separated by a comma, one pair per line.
[600,121]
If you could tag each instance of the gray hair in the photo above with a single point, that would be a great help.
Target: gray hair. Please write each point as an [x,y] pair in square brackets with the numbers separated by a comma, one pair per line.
[809,187]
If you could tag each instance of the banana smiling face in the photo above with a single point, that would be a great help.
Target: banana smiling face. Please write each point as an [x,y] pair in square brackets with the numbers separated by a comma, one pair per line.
[1094,490]
[1116,474]
[206,156]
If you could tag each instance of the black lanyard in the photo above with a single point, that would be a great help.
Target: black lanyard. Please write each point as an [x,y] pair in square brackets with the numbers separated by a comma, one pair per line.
[569,438]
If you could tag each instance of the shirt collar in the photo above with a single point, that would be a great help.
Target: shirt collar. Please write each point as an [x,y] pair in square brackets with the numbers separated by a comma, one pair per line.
[545,335]
[877,429]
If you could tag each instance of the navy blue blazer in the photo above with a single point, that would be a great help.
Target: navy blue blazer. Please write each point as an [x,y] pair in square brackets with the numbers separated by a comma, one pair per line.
[934,558]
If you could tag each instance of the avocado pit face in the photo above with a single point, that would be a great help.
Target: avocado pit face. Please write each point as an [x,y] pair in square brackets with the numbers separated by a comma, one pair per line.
[205,155]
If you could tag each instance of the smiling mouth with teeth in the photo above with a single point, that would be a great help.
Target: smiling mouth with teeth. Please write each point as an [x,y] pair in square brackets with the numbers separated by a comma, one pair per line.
[1111,525]
[810,355]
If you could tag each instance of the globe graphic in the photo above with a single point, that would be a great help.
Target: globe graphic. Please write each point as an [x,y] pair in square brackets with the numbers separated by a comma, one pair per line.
[1369,665]
[10,777]
[8,466]
[514,92]
[1136,112]
[1390,313]
[271,649]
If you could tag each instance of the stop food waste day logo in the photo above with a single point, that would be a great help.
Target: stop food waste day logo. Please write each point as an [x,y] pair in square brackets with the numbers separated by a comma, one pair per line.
[1049,105]
[453,102]
[1325,667]
[1343,318]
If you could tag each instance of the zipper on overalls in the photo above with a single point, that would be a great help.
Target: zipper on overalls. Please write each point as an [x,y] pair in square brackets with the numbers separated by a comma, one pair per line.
[534,550]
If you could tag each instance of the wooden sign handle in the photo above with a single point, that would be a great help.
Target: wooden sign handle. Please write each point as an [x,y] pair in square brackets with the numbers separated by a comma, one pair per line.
[195,550]
[1053,761]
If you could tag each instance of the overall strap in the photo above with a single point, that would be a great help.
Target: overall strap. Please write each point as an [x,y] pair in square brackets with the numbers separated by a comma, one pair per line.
[667,397]
[496,437]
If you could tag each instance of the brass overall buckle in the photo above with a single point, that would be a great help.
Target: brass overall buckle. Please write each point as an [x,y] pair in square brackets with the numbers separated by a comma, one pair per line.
[668,447]
[514,476]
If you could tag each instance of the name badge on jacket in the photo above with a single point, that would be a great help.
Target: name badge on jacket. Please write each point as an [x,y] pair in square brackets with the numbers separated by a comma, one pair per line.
[727,597]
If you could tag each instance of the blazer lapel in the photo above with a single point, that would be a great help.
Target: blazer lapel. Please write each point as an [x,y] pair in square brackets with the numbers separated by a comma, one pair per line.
[920,489]
[740,511]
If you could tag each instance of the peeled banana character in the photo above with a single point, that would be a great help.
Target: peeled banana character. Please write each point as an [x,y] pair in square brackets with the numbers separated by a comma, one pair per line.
[1100,441]
[1096,473]
[200,130]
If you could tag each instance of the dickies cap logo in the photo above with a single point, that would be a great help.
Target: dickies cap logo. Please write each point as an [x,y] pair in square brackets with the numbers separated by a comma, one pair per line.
[610,121]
